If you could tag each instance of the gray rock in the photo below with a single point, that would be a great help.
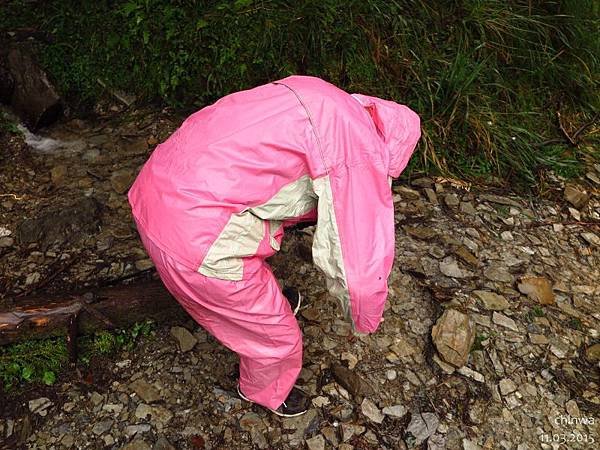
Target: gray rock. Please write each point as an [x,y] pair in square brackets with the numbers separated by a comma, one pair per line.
[470,445]
[502,320]
[395,411]
[591,238]
[40,406]
[258,438]
[300,424]
[507,386]
[468,372]
[316,443]
[132,430]
[162,443]
[6,242]
[251,420]
[102,427]
[370,410]
[137,444]
[143,411]
[186,340]
[422,425]
[450,268]
[144,264]
[499,274]
[451,200]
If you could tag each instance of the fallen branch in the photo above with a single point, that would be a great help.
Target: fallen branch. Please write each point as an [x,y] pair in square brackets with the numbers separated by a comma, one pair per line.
[114,307]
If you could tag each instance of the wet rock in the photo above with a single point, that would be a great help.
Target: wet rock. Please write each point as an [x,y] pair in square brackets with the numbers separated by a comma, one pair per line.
[147,392]
[576,196]
[421,426]
[33,97]
[538,289]
[185,339]
[121,180]
[351,381]
[40,406]
[453,335]
[370,410]
[492,301]
[316,443]
[60,225]
[504,321]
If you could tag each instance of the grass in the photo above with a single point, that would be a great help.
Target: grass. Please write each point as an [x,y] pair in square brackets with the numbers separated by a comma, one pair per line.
[44,360]
[488,77]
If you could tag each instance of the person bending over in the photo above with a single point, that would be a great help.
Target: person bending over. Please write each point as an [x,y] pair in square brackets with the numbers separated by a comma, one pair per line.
[213,200]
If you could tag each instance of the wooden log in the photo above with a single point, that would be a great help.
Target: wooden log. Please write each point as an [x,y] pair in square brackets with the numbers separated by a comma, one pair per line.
[119,306]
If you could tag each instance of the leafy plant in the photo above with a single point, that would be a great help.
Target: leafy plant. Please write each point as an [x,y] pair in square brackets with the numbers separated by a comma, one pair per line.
[487,77]
[42,360]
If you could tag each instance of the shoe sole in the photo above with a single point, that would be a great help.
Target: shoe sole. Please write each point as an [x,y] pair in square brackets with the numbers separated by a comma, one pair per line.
[243,397]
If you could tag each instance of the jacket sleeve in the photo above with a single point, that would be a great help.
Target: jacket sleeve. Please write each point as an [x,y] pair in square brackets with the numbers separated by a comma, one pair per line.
[354,240]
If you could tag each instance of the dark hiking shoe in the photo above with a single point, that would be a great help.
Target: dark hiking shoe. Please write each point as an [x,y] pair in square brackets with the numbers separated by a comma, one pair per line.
[294,297]
[294,405]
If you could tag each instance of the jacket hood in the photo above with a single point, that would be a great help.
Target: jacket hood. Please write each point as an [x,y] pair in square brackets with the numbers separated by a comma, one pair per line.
[398,126]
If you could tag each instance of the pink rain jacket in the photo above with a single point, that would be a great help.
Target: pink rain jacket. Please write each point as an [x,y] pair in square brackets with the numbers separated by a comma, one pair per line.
[258,160]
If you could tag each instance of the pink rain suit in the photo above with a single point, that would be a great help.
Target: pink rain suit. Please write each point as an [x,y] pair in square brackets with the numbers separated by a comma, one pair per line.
[213,200]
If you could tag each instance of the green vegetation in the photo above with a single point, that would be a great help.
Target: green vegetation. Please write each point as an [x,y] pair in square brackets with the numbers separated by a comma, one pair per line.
[42,360]
[488,77]
[477,343]
[7,126]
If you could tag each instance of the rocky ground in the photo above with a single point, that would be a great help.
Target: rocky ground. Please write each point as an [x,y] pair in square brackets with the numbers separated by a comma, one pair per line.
[491,337]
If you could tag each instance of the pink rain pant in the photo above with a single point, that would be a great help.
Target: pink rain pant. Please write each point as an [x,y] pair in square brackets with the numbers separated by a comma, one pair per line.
[251,317]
